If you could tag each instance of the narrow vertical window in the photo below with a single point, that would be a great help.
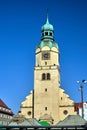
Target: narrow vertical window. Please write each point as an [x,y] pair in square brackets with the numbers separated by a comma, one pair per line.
[45,89]
[46,33]
[45,108]
[45,63]
[43,76]
[48,76]
[50,33]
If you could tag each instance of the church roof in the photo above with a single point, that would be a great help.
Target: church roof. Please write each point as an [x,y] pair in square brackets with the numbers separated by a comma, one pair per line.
[47,31]
[5,111]
[2,104]
[72,120]
[47,26]
[47,38]
[48,43]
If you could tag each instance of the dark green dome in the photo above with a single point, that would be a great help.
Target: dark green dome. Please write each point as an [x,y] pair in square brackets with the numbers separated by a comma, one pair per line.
[47,31]
[47,26]
[49,43]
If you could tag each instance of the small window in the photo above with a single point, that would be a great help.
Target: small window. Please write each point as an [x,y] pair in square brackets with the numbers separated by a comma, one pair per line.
[43,76]
[48,76]
[45,89]
[46,33]
[50,33]
[45,63]
[45,108]
[65,112]
[29,113]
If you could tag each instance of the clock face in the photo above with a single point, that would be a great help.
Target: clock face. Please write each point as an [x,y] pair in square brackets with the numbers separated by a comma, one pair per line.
[45,55]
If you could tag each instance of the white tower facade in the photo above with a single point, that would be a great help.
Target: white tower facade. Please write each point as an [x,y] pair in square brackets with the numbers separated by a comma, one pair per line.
[47,75]
[48,96]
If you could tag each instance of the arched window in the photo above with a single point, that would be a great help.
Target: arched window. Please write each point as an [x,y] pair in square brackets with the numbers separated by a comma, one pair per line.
[45,108]
[43,76]
[48,76]
[45,89]
[50,33]
[46,33]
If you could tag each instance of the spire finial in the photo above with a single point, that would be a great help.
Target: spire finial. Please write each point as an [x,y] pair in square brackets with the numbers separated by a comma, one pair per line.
[47,22]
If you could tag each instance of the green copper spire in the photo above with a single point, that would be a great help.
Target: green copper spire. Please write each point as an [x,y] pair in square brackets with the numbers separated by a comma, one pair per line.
[47,30]
[47,22]
[47,25]
[47,38]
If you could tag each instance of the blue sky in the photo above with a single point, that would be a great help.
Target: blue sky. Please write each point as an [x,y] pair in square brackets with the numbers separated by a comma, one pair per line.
[20,32]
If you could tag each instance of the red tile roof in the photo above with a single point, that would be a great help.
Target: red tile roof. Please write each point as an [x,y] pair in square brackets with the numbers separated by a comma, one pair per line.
[78,105]
[2,104]
[7,112]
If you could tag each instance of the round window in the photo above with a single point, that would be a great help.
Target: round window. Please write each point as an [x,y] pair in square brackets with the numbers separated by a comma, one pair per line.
[65,112]
[29,113]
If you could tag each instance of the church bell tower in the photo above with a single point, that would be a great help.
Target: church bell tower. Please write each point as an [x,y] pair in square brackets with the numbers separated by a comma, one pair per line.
[48,101]
[46,75]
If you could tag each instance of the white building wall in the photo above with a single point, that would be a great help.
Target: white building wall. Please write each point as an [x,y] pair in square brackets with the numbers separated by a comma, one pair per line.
[84,110]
